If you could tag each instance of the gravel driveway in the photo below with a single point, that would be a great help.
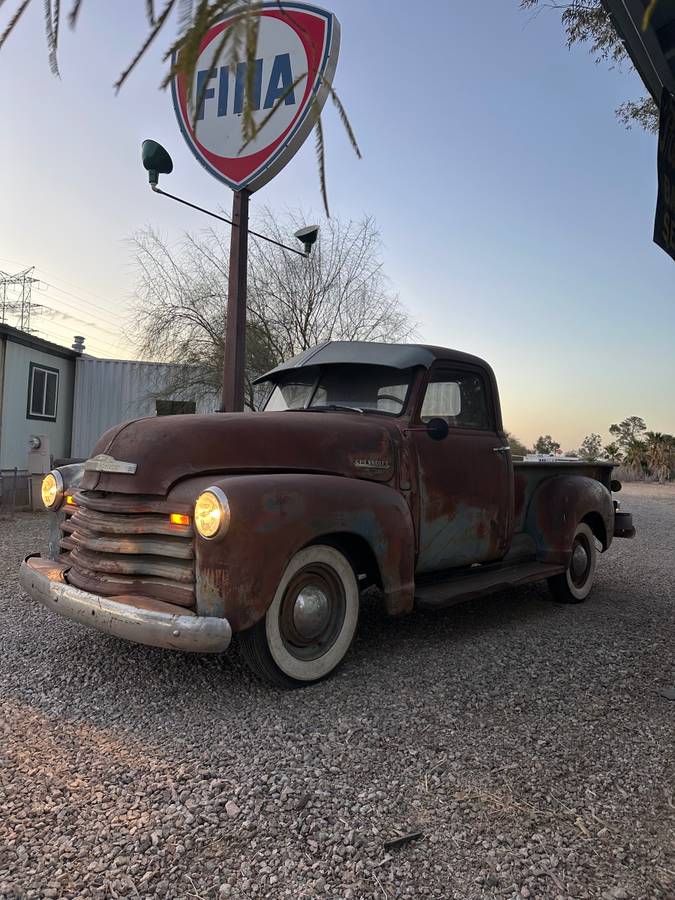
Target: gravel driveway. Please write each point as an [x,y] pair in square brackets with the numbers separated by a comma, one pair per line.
[526,741]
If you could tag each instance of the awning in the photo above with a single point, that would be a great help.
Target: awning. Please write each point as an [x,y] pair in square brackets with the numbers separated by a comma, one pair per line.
[652,51]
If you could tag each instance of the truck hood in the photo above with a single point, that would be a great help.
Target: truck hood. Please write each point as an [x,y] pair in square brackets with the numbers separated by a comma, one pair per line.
[167,449]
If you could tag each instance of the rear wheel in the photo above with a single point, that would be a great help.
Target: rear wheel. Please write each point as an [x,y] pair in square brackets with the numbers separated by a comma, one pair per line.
[575,584]
[310,624]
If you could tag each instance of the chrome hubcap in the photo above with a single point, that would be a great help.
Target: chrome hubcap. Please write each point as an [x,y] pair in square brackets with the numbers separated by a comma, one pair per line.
[310,612]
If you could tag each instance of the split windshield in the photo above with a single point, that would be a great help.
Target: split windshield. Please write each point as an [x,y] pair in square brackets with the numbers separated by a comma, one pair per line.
[362,388]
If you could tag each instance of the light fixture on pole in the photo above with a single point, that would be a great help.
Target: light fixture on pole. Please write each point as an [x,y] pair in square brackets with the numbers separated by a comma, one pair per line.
[157,161]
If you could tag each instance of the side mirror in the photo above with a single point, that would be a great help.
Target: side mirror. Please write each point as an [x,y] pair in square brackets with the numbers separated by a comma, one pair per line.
[156,161]
[438,429]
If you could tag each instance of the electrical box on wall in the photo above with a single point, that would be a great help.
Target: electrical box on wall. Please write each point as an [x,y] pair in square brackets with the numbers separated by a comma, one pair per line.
[39,459]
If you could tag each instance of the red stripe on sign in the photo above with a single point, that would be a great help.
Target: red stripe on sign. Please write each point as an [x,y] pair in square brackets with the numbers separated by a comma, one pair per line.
[312,31]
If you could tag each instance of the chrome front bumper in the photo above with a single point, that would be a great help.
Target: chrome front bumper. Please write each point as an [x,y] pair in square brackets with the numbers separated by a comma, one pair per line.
[139,619]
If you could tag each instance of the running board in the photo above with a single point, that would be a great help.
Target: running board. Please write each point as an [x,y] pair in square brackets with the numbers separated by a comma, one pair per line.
[456,588]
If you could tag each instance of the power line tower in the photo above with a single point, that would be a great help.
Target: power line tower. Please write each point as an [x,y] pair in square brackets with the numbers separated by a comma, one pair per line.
[15,296]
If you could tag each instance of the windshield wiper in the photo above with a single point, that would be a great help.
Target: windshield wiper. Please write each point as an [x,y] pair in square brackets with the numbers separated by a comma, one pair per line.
[332,406]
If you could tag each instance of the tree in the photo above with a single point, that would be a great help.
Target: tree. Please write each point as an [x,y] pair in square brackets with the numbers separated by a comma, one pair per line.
[546,444]
[588,22]
[338,293]
[628,432]
[195,19]
[634,457]
[517,447]
[591,447]
[660,454]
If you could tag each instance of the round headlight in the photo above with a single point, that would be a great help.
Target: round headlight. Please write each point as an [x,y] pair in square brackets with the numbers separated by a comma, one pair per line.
[52,489]
[212,512]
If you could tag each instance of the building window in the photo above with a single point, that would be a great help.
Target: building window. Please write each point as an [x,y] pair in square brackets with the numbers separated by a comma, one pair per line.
[175,407]
[43,392]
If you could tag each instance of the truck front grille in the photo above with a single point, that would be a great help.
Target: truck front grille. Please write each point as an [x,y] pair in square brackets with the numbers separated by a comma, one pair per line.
[120,545]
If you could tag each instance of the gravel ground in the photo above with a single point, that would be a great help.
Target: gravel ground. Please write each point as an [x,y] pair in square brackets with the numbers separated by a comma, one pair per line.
[526,741]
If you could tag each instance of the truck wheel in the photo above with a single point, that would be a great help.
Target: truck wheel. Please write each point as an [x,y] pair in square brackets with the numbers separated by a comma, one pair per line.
[311,622]
[575,584]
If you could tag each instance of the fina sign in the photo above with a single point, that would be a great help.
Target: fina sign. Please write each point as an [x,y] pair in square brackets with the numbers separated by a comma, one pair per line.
[295,62]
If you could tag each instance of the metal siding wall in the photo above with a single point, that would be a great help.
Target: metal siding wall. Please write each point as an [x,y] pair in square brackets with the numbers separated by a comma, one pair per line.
[109,391]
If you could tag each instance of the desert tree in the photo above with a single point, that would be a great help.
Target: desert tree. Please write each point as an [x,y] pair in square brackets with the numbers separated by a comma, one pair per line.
[587,22]
[627,432]
[546,444]
[517,446]
[339,293]
[591,448]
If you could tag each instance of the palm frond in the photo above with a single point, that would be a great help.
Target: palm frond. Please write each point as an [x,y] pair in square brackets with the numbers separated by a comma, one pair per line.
[195,19]
[321,161]
[51,37]
[74,13]
[154,31]
[248,127]
[342,112]
[277,103]
[12,22]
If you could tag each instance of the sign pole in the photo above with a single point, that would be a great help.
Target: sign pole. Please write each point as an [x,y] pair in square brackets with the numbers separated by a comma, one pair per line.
[235,335]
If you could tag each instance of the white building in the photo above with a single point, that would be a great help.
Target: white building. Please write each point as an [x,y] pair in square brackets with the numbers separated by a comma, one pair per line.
[72,398]
[36,395]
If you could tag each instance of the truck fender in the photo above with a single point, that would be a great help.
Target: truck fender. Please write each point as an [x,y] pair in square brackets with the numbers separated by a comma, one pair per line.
[274,516]
[556,508]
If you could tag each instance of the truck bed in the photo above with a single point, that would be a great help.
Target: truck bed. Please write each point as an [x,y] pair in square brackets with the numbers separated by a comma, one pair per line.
[529,474]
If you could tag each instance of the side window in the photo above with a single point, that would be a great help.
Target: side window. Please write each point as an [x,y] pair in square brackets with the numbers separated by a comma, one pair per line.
[458,397]
[43,392]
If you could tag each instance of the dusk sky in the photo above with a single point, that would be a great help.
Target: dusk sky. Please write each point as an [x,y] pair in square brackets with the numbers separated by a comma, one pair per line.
[516,211]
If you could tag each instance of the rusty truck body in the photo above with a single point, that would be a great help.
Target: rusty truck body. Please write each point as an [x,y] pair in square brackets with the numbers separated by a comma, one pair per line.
[368,464]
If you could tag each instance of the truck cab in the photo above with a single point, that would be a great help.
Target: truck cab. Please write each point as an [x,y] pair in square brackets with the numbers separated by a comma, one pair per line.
[367,464]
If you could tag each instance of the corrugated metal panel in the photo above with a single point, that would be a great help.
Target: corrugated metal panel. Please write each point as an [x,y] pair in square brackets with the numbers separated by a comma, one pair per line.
[110,391]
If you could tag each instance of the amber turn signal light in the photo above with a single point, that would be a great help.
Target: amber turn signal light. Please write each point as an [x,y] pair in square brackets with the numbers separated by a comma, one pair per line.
[70,501]
[179,519]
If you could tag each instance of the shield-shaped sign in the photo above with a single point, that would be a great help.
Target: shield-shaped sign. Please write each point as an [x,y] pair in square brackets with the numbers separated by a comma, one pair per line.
[295,61]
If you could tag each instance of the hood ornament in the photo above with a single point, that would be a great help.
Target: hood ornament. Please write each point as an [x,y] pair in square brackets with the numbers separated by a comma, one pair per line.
[104,463]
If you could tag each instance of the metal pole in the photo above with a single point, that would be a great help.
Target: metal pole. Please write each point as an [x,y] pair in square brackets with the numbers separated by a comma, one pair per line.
[235,337]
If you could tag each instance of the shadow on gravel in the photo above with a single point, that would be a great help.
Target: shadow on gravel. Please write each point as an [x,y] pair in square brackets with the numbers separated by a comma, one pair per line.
[71,671]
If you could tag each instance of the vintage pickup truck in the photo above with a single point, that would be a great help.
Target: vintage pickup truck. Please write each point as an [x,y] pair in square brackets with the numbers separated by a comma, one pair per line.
[369,464]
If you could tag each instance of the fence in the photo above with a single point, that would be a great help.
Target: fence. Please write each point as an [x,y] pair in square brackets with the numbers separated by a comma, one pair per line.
[14,490]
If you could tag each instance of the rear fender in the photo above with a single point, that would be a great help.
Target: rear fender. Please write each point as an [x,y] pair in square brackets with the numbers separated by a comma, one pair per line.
[272,517]
[556,508]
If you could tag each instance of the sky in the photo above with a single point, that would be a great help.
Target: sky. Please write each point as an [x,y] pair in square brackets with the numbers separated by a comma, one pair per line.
[516,212]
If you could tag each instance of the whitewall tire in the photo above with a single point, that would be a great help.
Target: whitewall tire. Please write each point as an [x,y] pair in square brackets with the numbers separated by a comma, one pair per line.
[576,582]
[310,623]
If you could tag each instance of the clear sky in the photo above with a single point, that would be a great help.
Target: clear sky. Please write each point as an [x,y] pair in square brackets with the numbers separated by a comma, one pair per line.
[516,212]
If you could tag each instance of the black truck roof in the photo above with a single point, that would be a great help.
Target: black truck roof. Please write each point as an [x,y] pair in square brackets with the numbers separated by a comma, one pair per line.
[398,356]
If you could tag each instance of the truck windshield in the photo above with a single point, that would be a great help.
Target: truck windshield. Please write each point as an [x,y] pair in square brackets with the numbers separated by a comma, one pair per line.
[362,388]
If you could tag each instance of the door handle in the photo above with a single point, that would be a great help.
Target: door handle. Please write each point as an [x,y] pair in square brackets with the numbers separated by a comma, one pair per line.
[504,449]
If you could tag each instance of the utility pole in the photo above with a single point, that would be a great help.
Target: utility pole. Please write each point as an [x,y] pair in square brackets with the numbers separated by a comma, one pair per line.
[23,281]
[235,335]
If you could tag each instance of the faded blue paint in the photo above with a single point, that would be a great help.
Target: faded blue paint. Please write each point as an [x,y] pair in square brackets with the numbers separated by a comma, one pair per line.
[459,538]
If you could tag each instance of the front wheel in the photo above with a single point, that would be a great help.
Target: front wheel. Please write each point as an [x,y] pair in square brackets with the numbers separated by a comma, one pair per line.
[574,585]
[310,624]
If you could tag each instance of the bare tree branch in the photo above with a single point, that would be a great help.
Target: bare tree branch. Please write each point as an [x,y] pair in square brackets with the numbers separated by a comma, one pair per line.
[339,293]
